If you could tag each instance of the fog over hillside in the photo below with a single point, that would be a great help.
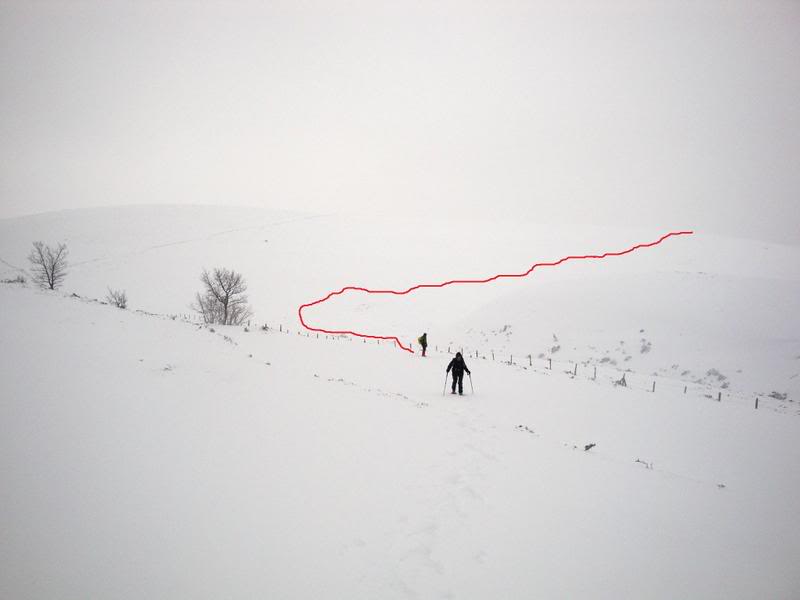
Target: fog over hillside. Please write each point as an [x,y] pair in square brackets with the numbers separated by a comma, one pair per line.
[178,179]
[662,114]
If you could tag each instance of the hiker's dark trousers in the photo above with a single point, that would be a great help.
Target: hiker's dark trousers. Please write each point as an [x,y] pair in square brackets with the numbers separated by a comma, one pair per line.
[458,378]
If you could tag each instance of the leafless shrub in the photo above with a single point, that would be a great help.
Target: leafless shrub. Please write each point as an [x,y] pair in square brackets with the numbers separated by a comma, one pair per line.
[48,265]
[223,299]
[20,279]
[118,298]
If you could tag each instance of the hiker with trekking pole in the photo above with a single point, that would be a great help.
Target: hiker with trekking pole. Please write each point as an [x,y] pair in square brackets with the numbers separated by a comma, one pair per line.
[458,366]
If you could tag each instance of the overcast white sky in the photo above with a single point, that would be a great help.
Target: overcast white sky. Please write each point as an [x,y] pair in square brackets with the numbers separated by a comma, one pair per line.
[672,114]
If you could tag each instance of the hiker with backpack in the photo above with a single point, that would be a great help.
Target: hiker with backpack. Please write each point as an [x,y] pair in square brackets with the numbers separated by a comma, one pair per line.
[423,341]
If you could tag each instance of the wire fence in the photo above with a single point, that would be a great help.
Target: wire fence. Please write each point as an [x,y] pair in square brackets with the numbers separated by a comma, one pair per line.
[602,373]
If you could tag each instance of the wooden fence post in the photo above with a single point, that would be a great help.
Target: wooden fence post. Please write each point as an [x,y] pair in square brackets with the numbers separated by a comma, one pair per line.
[530,360]
[684,388]
[719,396]
[756,402]
[550,363]
[654,387]
[576,369]
[595,372]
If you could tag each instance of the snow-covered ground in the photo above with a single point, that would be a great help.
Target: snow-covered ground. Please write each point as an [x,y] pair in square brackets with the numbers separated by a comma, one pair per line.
[697,310]
[146,456]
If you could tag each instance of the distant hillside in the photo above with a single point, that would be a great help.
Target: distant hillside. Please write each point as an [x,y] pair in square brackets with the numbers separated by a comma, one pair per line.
[696,310]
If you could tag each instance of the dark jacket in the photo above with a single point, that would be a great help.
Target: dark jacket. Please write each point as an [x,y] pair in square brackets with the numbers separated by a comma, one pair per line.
[458,365]
[423,340]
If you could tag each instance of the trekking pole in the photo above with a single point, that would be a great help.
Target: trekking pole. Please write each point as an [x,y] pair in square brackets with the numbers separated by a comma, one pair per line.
[470,383]
[445,383]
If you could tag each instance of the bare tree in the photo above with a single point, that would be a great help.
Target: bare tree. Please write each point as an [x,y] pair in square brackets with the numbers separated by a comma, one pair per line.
[118,298]
[223,299]
[48,265]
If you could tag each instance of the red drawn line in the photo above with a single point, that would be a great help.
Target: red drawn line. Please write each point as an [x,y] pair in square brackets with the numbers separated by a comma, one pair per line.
[454,281]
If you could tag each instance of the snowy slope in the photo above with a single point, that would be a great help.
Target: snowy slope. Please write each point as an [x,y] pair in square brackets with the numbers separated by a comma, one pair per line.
[740,335]
[148,457]
[696,310]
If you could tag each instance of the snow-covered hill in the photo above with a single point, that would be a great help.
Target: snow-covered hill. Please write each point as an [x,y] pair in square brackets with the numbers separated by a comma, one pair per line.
[146,456]
[696,310]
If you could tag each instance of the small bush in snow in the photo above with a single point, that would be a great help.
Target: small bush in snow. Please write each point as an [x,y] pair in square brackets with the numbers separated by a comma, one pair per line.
[118,298]
[20,279]
[48,265]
